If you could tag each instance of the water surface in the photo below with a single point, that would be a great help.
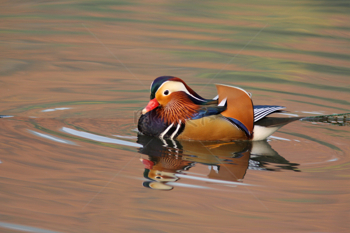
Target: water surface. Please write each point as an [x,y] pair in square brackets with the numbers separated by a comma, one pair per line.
[74,75]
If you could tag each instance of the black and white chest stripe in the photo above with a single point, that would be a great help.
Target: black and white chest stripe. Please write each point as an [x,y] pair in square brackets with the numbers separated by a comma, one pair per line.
[172,131]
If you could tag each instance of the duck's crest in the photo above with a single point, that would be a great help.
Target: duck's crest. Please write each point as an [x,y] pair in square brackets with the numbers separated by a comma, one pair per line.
[158,82]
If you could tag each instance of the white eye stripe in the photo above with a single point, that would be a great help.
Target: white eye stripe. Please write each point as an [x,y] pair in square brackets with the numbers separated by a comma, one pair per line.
[194,96]
[178,86]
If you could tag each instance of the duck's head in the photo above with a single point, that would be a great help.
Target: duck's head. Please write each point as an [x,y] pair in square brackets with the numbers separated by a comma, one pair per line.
[157,171]
[169,89]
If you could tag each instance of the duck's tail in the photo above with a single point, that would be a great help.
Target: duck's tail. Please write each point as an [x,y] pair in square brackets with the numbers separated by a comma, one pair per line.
[334,119]
[268,125]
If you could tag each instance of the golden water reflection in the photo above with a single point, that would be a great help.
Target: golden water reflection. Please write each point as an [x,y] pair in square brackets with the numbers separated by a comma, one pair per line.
[168,160]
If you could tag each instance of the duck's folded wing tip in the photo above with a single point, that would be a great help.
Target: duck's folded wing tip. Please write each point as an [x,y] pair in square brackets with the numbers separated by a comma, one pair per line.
[261,111]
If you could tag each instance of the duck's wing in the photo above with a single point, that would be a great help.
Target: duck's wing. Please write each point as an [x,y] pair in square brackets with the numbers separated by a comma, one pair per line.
[239,106]
[205,111]
[261,111]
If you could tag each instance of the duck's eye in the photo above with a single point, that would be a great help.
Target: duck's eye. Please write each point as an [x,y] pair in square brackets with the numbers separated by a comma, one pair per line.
[166,92]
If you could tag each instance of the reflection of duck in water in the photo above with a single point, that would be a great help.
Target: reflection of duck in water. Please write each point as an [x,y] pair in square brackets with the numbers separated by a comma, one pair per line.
[169,159]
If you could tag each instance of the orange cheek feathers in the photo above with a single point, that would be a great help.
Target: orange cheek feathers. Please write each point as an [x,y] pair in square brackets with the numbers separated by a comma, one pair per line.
[150,106]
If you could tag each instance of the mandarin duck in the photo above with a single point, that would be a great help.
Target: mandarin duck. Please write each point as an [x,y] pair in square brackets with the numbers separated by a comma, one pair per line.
[175,111]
